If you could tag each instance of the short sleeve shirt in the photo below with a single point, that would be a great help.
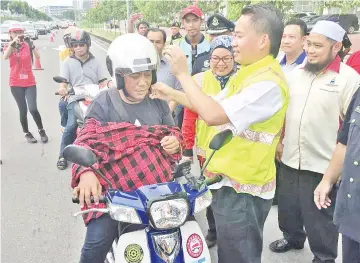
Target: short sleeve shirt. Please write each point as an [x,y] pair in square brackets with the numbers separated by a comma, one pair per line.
[80,73]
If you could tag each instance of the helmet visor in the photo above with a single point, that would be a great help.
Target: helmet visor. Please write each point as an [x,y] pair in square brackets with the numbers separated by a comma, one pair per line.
[139,65]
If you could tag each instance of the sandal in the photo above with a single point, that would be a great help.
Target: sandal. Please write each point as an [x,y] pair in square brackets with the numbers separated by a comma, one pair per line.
[62,163]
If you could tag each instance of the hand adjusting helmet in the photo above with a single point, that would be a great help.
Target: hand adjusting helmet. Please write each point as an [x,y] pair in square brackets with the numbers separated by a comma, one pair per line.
[129,54]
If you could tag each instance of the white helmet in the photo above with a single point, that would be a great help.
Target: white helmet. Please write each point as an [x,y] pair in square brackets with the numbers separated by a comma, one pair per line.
[131,53]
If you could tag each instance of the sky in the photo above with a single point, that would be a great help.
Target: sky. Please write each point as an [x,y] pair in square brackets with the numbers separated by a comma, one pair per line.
[38,3]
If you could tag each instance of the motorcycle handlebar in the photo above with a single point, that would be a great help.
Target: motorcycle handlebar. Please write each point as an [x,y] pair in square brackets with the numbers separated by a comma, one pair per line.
[102,200]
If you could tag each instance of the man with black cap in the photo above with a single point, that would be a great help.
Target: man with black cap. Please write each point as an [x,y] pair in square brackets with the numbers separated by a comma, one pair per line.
[175,36]
[217,25]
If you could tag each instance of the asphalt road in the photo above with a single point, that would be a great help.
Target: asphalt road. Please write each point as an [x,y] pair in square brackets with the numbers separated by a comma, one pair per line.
[36,217]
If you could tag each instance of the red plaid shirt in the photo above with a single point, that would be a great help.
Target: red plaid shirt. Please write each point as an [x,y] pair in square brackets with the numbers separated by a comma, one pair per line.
[129,156]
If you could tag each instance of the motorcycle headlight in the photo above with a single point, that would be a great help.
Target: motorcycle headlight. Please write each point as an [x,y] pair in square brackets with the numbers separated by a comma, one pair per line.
[124,214]
[203,201]
[167,214]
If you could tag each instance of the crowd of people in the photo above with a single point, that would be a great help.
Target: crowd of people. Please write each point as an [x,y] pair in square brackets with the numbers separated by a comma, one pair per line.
[295,117]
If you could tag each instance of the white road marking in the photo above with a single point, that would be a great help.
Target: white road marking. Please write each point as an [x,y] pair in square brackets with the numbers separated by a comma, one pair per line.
[99,46]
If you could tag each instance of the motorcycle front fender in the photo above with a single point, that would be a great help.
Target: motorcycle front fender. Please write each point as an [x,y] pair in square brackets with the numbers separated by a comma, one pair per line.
[138,246]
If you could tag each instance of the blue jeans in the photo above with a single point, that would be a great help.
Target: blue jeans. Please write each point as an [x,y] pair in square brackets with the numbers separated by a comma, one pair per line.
[69,134]
[100,234]
[63,112]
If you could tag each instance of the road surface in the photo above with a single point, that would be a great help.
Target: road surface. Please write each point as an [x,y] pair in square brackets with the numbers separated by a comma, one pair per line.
[36,220]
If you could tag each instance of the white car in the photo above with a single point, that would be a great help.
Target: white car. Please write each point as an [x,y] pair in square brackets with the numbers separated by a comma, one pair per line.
[5,37]
[30,30]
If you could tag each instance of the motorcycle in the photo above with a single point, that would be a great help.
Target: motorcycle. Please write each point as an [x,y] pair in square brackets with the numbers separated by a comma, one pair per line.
[164,213]
[85,94]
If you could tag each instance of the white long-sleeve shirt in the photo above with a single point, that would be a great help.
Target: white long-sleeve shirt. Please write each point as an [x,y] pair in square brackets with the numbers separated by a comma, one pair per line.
[254,104]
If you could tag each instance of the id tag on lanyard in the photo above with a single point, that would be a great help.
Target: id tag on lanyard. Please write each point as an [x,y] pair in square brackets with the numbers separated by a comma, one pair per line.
[23,74]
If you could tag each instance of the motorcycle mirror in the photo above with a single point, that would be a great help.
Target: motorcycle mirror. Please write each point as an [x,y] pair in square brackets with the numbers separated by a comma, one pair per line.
[221,139]
[217,142]
[58,79]
[79,155]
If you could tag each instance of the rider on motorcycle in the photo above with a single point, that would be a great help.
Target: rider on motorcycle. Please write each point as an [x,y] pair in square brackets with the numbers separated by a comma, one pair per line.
[65,52]
[134,138]
[80,69]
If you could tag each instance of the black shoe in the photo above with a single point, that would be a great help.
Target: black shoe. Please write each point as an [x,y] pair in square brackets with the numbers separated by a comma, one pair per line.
[282,245]
[30,138]
[62,163]
[210,240]
[43,136]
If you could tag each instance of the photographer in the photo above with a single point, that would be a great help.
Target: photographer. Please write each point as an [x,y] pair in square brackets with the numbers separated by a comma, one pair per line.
[22,81]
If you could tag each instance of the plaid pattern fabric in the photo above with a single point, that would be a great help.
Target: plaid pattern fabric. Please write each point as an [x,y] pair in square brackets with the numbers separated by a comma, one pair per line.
[129,156]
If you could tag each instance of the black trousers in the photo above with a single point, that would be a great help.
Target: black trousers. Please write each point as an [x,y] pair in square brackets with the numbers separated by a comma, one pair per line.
[25,98]
[350,250]
[297,210]
[240,222]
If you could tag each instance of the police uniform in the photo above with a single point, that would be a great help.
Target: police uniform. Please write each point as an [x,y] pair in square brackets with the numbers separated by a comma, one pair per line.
[216,25]
[347,207]
[346,43]
[178,36]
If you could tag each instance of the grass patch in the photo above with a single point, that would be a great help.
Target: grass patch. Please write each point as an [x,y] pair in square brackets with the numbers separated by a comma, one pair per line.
[105,34]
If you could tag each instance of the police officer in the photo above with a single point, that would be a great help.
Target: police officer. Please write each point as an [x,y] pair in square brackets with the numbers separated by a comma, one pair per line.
[175,33]
[345,162]
[216,25]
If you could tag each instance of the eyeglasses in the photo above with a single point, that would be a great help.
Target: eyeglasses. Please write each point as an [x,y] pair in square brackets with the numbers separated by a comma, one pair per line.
[224,59]
[78,45]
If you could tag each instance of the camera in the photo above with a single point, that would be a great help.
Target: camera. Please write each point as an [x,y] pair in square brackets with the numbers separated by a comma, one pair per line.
[21,37]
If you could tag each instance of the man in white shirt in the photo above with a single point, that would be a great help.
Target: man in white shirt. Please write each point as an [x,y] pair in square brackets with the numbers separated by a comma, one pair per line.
[292,44]
[320,92]
[253,105]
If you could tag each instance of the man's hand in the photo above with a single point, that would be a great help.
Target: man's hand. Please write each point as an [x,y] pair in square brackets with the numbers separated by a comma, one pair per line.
[62,92]
[135,17]
[170,144]
[89,185]
[177,60]
[321,194]
[279,151]
[161,91]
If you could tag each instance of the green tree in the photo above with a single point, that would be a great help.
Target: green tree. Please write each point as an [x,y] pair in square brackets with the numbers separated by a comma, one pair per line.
[4,4]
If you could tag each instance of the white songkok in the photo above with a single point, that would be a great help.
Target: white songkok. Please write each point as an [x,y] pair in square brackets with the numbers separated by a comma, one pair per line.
[329,29]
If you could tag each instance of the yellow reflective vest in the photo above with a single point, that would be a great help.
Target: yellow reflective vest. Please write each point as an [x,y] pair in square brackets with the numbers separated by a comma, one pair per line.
[248,160]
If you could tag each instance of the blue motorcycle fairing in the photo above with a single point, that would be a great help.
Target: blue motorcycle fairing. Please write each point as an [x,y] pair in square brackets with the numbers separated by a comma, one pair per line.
[139,199]
[193,194]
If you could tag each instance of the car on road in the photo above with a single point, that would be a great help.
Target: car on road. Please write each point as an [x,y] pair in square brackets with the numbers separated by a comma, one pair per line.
[41,29]
[5,37]
[303,14]
[8,22]
[307,19]
[349,22]
[30,30]
[64,25]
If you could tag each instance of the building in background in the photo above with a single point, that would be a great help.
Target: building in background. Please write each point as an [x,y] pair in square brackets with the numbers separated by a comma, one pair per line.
[55,10]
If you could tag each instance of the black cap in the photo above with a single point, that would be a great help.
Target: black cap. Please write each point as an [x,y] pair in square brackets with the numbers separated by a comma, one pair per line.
[218,24]
[175,24]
